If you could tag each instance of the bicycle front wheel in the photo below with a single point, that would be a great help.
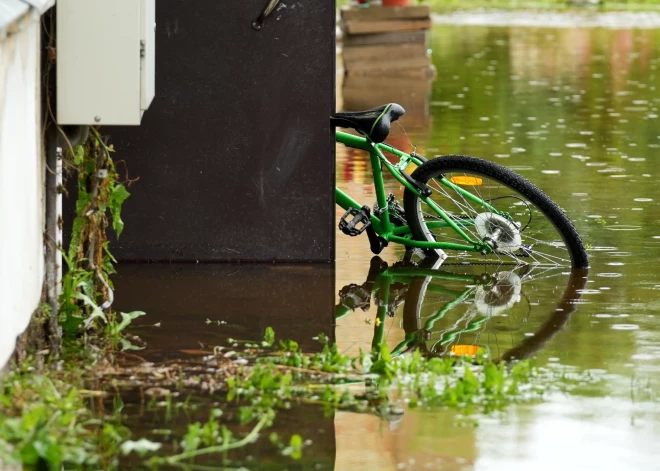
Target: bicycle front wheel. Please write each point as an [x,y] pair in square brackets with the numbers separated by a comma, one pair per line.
[492,204]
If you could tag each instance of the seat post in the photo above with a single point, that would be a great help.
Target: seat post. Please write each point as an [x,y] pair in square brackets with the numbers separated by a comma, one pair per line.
[379,184]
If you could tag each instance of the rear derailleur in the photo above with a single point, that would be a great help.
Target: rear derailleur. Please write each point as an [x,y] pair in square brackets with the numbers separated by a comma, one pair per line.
[396,211]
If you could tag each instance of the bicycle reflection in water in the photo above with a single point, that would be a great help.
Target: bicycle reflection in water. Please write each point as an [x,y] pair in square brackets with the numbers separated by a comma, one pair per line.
[505,311]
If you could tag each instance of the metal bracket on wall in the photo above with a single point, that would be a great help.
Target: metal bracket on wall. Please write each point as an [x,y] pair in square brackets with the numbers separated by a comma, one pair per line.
[268,9]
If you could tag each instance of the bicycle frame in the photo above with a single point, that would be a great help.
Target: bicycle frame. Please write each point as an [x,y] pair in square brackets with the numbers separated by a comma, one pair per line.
[382,225]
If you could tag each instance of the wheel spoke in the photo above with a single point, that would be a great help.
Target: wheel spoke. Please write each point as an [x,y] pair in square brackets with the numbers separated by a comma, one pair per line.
[535,233]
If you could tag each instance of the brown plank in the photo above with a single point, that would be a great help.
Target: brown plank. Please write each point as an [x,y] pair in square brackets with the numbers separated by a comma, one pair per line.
[375,13]
[385,73]
[399,37]
[382,52]
[387,65]
[385,26]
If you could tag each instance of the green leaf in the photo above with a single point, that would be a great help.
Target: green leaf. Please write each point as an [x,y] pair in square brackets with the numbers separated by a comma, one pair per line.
[78,154]
[385,353]
[117,198]
[127,318]
[269,337]
[294,450]
[126,345]
[96,310]
[192,439]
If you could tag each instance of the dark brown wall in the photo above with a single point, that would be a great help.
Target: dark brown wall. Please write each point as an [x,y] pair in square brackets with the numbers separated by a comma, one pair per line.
[235,155]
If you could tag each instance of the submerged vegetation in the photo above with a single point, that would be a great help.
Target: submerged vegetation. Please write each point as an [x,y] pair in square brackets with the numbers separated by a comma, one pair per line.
[74,418]
[48,420]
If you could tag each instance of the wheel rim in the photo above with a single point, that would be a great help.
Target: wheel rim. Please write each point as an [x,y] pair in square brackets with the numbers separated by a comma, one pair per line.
[541,242]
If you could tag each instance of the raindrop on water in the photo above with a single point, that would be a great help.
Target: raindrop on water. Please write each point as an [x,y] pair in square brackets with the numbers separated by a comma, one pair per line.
[623,227]
[625,327]
[642,356]
[587,291]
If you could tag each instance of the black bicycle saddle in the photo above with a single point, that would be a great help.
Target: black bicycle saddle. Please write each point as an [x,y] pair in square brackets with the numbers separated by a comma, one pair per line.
[374,123]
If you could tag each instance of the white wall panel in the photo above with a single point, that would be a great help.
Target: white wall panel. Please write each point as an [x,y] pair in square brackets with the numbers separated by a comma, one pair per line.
[22,175]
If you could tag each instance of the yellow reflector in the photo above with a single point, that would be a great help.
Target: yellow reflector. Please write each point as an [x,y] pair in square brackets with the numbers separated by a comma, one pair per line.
[472,181]
[466,350]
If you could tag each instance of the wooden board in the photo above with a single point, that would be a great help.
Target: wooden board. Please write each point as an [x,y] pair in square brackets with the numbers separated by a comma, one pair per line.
[375,13]
[385,26]
[353,56]
[386,65]
[419,71]
[400,37]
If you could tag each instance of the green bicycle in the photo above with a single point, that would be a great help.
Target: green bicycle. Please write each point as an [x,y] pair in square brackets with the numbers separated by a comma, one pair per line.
[455,202]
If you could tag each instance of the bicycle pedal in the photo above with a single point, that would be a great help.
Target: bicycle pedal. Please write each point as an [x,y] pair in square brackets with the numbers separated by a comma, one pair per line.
[355,221]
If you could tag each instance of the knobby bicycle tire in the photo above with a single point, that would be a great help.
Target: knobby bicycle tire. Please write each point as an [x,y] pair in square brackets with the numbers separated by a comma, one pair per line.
[461,163]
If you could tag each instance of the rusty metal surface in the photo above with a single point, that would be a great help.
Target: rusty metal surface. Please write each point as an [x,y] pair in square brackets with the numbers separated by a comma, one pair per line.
[235,155]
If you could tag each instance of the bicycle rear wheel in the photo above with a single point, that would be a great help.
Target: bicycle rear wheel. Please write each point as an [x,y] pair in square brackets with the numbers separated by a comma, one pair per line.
[538,231]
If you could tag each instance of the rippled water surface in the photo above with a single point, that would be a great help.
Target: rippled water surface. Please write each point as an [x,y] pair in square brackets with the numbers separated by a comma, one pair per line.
[575,110]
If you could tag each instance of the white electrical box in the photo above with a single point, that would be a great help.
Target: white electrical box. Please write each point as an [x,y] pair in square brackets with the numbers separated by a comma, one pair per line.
[105,60]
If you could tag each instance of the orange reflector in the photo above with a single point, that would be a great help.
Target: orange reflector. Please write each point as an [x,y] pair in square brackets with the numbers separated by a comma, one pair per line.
[466,350]
[471,181]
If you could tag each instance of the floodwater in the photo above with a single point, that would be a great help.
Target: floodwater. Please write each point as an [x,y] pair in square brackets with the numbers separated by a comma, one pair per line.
[575,110]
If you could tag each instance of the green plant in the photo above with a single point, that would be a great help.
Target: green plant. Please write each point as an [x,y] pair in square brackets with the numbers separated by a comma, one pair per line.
[45,423]
[210,439]
[86,286]
[465,383]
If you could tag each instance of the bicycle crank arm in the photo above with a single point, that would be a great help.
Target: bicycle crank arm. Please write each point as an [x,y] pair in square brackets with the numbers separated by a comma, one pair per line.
[376,243]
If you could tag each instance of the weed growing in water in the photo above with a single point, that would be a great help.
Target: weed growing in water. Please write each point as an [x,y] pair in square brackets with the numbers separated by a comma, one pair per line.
[51,421]
[283,375]
[46,423]
[87,291]
[469,383]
